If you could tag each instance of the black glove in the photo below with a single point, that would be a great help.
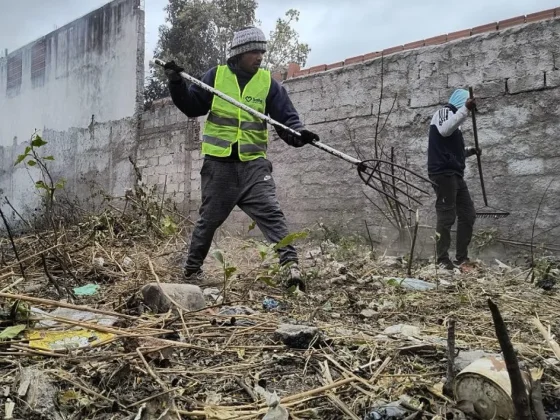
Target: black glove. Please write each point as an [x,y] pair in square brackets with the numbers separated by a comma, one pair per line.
[305,138]
[469,151]
[172,71]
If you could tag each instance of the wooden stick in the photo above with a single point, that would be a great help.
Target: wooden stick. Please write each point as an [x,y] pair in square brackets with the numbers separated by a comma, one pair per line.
[55,303]
[350,374]
[553,344]
[341,382]
[519,395]
[537,400]
[337,401]
[83,388]
[243,410]
[380,369]
[411,258]
[448,386]
[38,352]
[14,247]
[137,403]
[150,371]
[14,284]
[248,390]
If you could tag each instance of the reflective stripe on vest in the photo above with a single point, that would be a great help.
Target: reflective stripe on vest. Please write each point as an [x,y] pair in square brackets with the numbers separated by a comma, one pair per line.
[227,124]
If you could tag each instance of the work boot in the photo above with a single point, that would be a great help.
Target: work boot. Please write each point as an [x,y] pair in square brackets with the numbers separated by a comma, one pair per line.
[462,261]
[295,278]
[446,264]
[196,277]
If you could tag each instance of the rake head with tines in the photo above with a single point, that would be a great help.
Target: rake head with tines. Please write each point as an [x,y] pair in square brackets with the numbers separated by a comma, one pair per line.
[486,212]
[371,172]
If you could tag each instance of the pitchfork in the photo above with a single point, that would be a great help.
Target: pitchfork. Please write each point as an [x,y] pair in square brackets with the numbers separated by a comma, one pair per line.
[486,212]
[367,169]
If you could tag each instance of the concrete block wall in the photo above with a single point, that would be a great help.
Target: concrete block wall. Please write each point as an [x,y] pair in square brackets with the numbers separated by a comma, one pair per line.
[513,67]
[164,155]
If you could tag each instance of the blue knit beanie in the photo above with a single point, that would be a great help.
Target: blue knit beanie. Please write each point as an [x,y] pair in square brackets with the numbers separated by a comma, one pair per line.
[459,98]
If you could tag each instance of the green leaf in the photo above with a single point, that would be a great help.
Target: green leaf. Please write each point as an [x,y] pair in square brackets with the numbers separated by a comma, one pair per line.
[288,240]
[168,226]
[20,158]
[393,282]
[38,142]
[60,184]
[267,280]
[48,158]
[229,271]
[263,251]
[31,162]
[252,226]
[12,332]
[218,256]
[41,185]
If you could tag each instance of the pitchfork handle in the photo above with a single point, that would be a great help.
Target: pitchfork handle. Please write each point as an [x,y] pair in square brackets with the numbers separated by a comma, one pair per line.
[475,132]
[257,114]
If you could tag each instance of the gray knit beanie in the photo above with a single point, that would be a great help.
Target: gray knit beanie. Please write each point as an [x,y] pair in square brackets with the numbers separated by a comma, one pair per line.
[247,39]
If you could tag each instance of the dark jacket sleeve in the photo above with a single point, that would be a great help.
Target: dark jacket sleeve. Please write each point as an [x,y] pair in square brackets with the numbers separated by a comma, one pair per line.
[193,101]
[280,108]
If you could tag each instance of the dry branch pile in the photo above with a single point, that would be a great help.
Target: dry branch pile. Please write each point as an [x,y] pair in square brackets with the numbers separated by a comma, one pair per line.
[378,341]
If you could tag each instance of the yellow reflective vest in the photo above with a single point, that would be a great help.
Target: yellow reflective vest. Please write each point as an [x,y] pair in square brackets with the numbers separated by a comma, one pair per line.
[227,124]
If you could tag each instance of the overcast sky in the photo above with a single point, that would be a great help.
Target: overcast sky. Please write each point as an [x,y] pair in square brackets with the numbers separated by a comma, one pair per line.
[334,29]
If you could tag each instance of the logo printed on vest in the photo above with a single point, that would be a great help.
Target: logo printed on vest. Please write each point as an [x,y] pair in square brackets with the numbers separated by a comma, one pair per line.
[250,99]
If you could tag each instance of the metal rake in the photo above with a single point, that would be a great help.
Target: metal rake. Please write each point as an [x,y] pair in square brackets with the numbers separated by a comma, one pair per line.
[486,212]
[368,170]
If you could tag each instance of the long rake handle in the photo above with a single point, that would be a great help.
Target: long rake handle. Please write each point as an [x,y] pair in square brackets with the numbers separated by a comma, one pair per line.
[475,133]
[257,114]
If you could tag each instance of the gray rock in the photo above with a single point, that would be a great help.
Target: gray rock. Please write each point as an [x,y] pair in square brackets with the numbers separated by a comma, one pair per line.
[402,329]
[296,336]
[368,313]
[189,296]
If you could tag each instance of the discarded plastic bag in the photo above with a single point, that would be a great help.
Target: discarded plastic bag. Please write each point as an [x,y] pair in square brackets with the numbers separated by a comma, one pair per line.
[270,305]
[391,411]
[410,283]
[75,315]
[275,410]
[64,340]
[87,290]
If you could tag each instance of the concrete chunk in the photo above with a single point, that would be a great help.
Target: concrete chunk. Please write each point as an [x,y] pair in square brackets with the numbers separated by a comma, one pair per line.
[296,336]
[189,296]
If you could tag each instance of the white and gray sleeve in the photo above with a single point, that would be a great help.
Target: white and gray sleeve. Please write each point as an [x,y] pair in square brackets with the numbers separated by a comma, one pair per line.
[447,122]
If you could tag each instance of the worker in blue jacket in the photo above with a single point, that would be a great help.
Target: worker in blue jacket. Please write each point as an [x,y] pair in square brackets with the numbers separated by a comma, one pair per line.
[446,167]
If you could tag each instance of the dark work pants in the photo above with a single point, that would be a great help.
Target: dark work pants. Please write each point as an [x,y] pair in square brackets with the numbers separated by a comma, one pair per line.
[250,186]
[453,201]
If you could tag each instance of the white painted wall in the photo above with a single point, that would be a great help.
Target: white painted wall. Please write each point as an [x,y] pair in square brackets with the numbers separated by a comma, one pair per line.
[92,68]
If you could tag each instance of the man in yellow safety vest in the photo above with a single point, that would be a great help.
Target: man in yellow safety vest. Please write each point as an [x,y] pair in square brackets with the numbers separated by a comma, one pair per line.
[235,171]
